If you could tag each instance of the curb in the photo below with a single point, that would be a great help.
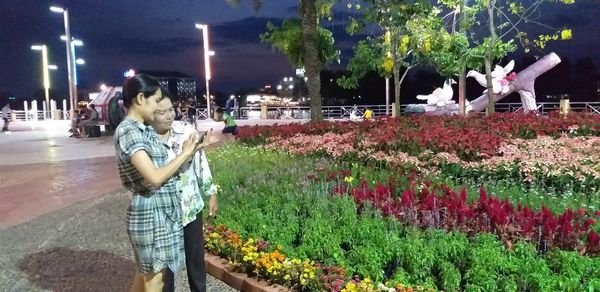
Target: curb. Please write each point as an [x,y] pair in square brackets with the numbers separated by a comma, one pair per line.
[220,269]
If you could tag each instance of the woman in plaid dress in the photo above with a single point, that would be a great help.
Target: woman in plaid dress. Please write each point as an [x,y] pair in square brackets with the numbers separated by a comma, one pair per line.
[154,216]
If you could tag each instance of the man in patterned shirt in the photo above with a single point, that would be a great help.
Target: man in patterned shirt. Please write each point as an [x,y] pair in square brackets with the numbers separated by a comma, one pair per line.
[194,186]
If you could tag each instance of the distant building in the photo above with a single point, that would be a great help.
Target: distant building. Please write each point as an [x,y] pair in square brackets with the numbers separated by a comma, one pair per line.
[182,86]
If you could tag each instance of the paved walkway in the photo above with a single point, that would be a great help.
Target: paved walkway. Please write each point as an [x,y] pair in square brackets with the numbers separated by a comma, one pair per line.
[62,212]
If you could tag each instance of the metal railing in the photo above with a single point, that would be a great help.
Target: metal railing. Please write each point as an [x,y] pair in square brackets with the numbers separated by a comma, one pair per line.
[30,115]
[545,108]
[301,112]
[331,112]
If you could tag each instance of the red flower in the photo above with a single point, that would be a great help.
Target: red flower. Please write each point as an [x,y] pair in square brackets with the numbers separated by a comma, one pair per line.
[511,77]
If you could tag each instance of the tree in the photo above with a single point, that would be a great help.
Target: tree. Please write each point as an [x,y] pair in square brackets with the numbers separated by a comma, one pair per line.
[391,51]
[309,11]
[452,51]
[504,21]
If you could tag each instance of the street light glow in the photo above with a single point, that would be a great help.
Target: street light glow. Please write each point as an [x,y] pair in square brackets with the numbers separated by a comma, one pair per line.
[102,87]
[52,67]
[57,9]
[129,73]
[37,47]
[211,53]
[74,41]
[207,54]
[80,62]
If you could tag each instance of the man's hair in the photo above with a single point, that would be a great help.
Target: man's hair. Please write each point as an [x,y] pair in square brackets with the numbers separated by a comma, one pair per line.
[93,106]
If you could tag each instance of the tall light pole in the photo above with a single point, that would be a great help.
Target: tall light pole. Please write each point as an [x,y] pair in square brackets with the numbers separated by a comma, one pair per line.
[70,57]
[204,29]
[45,73]
[74,43]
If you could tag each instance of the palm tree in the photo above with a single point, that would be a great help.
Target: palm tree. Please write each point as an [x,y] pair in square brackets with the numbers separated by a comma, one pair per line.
[312,63]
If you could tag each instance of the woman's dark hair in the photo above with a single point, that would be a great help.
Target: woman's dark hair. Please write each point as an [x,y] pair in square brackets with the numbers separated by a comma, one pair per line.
[140,83]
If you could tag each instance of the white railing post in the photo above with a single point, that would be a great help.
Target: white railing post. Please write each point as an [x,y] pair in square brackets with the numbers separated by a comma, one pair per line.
[34,109]
[26,107]
[64,109]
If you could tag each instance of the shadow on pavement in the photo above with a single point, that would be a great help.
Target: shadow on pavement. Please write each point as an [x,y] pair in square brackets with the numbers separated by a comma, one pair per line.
[63,269]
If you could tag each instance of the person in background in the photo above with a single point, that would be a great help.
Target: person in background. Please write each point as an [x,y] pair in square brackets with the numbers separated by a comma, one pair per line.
[230,124]
[6,113]
[93,118]
[154,220]
[229,105]
[368,114]
[194,186]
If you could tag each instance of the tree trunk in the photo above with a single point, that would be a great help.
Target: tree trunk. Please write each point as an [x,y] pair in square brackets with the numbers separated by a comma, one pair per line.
[489,58]
[462,91]
[462,76]
[313,66]
[490,92]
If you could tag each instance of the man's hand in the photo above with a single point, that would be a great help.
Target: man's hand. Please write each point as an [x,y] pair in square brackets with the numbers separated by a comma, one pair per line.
[213,206]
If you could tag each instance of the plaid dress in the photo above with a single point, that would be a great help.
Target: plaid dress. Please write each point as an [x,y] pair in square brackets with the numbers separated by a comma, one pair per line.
[154,216]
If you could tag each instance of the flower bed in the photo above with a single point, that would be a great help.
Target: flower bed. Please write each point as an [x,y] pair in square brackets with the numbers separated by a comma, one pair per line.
[269,197]
[426,205]
[254,258]
[508,147]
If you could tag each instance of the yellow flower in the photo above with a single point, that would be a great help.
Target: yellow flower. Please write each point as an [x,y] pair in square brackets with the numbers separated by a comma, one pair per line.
[566,34]
[348,179]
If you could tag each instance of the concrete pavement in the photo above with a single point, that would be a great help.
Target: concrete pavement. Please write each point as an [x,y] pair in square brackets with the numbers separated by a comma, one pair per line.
[62,212]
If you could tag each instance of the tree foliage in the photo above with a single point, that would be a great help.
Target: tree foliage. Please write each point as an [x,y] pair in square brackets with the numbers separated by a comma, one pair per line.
[288,39]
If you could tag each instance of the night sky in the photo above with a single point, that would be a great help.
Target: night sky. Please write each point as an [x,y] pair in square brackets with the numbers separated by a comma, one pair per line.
[160,35]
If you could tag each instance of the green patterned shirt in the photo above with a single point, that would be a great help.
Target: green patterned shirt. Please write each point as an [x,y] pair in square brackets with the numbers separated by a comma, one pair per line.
[195,179]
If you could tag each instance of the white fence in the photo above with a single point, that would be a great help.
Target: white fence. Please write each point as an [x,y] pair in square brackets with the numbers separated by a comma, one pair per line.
[329,112]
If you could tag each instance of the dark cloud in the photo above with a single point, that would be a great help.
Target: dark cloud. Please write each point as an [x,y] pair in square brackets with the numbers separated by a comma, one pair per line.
[160,35]
[244,31]
[124,45]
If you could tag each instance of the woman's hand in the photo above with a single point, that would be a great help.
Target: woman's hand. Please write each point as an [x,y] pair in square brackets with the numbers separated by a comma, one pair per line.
[192,145]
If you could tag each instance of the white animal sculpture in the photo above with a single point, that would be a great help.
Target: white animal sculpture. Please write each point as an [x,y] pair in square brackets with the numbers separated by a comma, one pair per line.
[500,78]
[440,96]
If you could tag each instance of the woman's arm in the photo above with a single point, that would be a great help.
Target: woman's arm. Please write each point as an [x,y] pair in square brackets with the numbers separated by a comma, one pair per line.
[157,176]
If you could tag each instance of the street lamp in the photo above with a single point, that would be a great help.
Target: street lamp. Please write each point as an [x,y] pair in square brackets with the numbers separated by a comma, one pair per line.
[74,43]
[45,74]
[207,54]
[70,57]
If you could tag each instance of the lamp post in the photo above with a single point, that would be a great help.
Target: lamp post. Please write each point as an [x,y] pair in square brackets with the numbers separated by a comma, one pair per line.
[70,57]
[74,43]
[207,54]
[45,73]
